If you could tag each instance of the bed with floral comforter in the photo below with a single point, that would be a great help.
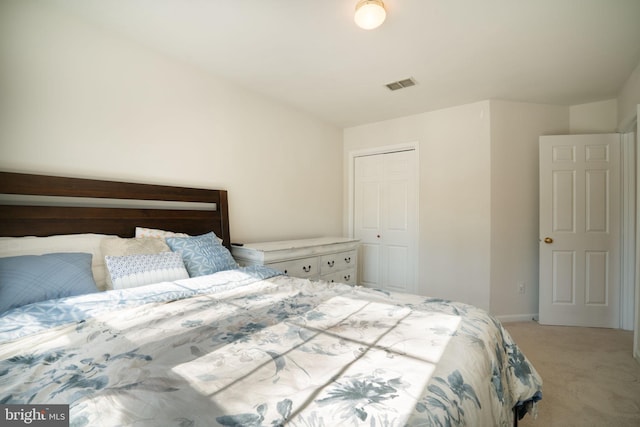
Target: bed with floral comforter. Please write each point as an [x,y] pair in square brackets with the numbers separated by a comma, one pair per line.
[250,347]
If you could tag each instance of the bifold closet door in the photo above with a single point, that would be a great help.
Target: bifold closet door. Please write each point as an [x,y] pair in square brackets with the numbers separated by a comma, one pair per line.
[385,219]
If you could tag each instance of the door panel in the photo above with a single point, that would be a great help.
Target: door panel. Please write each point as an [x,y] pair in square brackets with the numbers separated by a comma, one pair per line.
[398,198]
[597,278]
[563,277]
[580,230]
[397,267]
[369,257]
[371,206]
[563,201]
[597,194]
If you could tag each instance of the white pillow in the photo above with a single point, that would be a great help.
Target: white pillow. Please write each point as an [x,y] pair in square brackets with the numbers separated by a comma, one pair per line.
[153,232]
[87,243]
[144,269]
[118,246]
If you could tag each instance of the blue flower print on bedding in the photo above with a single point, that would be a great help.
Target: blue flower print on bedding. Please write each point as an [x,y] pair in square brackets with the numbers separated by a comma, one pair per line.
[445,395]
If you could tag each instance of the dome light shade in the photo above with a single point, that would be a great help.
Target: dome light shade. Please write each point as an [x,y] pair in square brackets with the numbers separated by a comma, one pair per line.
[370,14]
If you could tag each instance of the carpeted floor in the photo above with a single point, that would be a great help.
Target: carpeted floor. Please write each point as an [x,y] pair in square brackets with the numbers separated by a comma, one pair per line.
[590,377]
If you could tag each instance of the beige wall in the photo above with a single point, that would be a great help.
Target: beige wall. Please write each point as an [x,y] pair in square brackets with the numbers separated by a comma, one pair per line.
[594,117]
[79,101]
[478,198]
[487,179]
[454,221]
[636,335]
[628,100]
[628,113]
[515,131]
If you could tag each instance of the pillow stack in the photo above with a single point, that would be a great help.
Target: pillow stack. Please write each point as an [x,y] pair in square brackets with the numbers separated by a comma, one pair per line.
[34,269]
[148,259]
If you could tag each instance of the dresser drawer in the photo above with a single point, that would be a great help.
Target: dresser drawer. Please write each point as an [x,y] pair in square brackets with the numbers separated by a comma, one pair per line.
[304,267]
[344,276]
[336,262]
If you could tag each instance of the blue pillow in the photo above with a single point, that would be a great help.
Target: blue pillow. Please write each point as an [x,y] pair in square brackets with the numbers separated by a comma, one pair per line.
[33,278]
[202,254]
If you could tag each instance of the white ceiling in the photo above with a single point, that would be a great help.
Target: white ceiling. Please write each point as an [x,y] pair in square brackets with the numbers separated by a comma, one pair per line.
[309,54]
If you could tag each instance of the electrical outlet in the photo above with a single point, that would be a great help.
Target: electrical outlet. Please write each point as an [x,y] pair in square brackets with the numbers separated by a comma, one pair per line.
[521,288]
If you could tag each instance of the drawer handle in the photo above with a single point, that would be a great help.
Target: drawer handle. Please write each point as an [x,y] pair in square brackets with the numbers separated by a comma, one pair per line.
[347,277]
[330,263]
[306,269]
[347,260]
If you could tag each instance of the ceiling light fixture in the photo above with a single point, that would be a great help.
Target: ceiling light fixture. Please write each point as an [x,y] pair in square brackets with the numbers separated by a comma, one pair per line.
[370,14]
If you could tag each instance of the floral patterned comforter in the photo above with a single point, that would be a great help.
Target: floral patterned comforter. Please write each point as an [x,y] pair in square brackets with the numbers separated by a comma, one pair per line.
[250,347]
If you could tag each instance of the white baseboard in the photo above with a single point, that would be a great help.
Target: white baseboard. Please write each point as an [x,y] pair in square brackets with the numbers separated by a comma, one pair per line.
[507,318]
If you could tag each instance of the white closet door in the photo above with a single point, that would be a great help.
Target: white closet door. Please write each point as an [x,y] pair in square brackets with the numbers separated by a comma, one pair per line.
[385,220]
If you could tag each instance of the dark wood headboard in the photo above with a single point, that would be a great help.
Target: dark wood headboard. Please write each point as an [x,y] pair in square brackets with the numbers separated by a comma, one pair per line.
[48,215]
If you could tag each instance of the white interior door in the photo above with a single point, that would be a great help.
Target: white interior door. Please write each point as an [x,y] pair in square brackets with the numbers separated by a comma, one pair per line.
[580,230]
[386,220]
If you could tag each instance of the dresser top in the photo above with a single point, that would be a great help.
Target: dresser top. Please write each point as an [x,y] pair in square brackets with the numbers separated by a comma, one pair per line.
[294,244]
[265,251]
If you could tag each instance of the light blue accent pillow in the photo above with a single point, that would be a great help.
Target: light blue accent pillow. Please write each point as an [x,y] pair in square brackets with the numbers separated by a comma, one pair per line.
[144,269]
[202,254]
[32,278]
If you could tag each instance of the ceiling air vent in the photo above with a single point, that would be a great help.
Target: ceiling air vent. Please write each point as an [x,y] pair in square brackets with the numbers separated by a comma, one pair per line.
[401,84]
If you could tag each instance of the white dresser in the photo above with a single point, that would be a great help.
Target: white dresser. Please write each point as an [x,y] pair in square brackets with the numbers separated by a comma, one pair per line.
[333,259]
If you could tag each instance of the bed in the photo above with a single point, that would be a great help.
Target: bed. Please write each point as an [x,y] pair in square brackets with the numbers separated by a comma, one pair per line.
[198,341]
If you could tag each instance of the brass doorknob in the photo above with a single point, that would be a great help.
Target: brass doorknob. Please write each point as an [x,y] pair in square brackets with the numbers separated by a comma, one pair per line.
[548,240]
